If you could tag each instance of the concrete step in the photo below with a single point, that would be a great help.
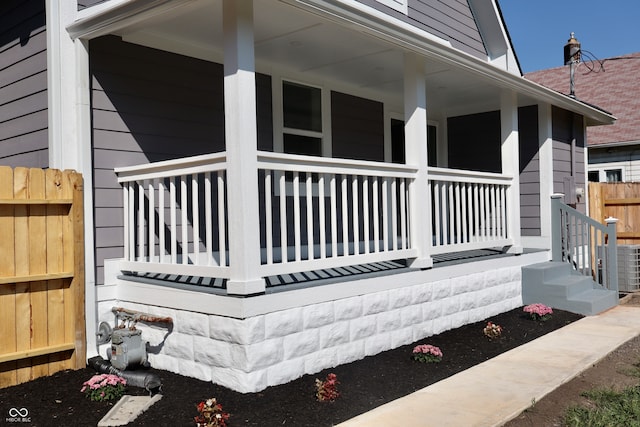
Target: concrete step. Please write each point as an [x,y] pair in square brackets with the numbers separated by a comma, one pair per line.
[556,284]
[562,287]
[545,271]
[593,301]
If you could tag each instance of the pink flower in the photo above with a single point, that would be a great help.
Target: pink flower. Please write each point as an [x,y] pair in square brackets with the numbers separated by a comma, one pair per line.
[427,353]
[538,311]
[428,349]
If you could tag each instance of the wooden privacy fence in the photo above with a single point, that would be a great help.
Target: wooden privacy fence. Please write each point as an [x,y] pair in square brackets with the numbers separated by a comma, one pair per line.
[42,329]
[621,201]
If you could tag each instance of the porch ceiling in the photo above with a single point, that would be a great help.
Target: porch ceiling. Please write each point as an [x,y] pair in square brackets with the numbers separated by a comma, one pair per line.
[296,42]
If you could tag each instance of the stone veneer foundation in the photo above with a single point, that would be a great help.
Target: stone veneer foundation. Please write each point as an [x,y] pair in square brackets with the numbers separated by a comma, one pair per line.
[248,355]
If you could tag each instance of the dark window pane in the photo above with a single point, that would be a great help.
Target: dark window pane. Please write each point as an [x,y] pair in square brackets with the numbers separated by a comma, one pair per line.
[297,144]
[432,154]
[301,107]
[397,143]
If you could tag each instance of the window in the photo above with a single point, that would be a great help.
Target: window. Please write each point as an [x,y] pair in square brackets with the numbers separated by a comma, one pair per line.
[614,175]
[397,143]
[302,119]
[604,174]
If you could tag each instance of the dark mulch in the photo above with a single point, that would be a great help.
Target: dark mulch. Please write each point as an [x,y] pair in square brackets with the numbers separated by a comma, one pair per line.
[364,384]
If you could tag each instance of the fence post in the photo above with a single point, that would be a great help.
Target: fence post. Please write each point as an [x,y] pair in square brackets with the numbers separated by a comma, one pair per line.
[556,227]
[612,253]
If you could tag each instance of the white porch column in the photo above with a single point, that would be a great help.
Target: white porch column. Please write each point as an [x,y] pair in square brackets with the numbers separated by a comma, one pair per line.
[511,165]
[69,131]
[241,146]
[415,130]
[545,159]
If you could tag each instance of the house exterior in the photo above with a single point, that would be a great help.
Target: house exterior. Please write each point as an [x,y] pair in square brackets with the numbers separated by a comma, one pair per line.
[297,183]
[613,85]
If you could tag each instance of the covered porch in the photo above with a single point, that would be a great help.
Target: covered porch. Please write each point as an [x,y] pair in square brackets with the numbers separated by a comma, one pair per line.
[430,166]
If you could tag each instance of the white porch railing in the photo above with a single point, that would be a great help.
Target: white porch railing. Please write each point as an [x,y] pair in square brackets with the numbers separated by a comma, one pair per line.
[314,213]
[322,212]
[175,216]
[469,210]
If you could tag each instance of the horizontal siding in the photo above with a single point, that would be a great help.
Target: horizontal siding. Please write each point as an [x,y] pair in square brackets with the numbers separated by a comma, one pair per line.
[567,127]
[23,84]
[451,20]
[474,142]
[529,171]
[147,105]
[357,128]
[627,159]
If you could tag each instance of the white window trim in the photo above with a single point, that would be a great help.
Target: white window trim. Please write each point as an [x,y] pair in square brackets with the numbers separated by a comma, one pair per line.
[604,167]
[278,116]
[399,5]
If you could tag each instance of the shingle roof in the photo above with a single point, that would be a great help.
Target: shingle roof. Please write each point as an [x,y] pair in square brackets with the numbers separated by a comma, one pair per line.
[615,87]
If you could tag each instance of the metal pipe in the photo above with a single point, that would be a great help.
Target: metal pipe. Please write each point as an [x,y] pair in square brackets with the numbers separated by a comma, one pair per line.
[139,316]
[146,380]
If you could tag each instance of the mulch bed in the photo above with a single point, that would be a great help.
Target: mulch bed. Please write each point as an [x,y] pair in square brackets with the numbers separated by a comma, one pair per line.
[364,384]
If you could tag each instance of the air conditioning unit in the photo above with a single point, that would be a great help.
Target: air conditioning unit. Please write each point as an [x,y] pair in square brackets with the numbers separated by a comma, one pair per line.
[628,268]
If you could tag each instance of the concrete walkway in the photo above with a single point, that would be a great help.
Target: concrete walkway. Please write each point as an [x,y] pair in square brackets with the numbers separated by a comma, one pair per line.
[499,389]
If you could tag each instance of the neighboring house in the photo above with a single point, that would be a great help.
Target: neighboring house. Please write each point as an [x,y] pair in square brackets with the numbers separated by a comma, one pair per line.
[376,172]
[614,85]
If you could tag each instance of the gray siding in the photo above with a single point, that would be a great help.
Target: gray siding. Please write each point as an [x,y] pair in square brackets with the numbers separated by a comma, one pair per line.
[147,105]
[474,142]
[357,128]
[529,171]
[450,20]
[566,127]
[23,84]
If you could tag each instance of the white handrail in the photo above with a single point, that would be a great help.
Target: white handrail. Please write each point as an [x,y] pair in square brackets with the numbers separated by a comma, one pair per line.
[172,168]
[294,162]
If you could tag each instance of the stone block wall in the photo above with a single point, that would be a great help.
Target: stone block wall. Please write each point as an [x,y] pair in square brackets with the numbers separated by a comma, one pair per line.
[251,354]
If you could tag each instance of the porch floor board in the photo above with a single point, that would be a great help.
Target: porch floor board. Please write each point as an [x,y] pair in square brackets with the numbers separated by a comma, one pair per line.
[284,282]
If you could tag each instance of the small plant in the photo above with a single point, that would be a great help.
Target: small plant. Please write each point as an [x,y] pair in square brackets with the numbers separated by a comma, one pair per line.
[492,330]
[539,311]
[427,353]
[211,414]
[327,390]
[532,406]
[104,387]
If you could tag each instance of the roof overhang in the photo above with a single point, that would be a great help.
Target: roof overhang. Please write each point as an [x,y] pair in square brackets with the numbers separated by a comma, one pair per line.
[415,40]
[117,16]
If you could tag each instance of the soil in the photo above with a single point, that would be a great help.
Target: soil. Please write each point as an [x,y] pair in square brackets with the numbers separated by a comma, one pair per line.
[364,384]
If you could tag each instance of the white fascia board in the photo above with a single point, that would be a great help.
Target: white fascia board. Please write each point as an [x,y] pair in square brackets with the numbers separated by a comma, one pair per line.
[114,15]
[377,24]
